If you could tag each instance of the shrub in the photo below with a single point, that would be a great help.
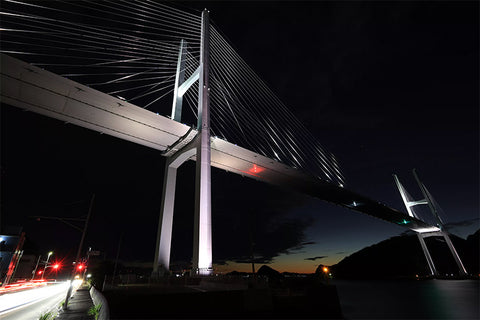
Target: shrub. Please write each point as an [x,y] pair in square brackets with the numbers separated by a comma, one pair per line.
[46,316]
[95,311]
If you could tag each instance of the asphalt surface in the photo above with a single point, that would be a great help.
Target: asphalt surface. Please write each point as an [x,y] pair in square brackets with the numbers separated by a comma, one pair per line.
[34,309]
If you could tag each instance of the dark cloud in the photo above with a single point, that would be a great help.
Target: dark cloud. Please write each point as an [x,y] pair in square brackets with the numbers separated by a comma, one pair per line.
[261,220]
[315,258]
[307,243]
[273,235]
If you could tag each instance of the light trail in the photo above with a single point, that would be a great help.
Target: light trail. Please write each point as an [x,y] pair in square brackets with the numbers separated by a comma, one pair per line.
[14,300]
[22,285]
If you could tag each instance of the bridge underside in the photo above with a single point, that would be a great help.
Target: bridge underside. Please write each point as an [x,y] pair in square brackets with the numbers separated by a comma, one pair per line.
[37,90]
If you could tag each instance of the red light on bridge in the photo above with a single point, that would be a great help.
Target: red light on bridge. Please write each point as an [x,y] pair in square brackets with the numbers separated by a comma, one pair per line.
[255,169]
[80,267]
[56,266]
[39,272]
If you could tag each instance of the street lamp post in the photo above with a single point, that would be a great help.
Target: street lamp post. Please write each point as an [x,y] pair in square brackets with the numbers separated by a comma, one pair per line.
[46,264]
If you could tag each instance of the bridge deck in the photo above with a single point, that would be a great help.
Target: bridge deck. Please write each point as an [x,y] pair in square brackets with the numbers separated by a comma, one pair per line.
[34,89]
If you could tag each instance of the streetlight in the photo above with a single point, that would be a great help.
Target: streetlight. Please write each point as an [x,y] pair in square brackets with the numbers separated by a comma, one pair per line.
[46,264]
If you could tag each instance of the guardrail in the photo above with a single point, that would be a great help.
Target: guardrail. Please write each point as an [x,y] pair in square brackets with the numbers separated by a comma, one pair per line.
[98,298]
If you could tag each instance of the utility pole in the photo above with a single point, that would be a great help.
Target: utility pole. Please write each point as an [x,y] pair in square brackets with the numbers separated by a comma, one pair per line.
[116,258]
[77,258]
[36,266]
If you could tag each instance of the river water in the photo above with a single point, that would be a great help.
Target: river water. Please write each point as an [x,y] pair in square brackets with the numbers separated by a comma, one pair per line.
[428,299]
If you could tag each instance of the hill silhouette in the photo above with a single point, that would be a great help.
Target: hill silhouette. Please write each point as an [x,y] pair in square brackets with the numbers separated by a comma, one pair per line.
[402,256]
[269,272]
[471,253]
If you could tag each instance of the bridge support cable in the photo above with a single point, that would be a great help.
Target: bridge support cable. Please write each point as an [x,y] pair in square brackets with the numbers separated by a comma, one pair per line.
[251,99]
[110,47]
[432,231]
[93,38]
[248,102]
[265,97]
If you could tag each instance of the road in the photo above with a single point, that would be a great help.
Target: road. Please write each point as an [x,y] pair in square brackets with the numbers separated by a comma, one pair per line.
[30,304]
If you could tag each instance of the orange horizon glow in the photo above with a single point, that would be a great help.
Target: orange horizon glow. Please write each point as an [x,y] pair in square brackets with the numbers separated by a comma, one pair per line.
[305,267]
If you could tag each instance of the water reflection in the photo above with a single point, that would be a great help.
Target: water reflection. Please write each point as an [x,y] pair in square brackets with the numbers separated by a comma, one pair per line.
[431,299]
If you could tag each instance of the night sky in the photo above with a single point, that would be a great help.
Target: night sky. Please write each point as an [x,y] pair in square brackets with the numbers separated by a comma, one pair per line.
[385,86]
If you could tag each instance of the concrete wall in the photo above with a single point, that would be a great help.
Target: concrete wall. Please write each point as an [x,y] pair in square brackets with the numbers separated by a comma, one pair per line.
[98,298]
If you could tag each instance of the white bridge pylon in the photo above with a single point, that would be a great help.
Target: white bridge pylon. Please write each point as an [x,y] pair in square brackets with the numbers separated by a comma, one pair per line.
[431,231]
[200,147]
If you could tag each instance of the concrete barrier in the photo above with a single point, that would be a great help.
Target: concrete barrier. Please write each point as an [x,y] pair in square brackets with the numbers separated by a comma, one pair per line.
[98,298]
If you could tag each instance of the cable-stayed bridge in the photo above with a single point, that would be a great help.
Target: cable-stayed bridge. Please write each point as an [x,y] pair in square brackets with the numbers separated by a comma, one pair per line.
[112,67]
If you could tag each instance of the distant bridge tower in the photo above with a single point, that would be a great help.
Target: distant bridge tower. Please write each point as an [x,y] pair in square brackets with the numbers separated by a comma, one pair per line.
[185,148]
[422,234]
